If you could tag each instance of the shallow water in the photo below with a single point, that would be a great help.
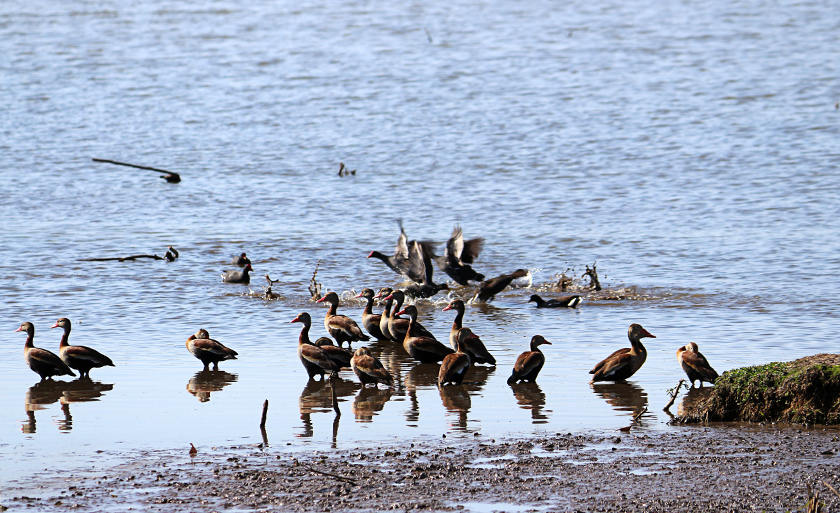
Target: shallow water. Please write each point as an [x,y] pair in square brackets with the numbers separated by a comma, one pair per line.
[687,148]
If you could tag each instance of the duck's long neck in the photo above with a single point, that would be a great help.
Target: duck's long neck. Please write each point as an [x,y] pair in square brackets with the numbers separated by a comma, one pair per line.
[65,337]
[535,348]
[304,334]
[396,309]
[333,309]
[410,331]
[387,311]
[638,348]
[30,338]
[459,320]
[369,307]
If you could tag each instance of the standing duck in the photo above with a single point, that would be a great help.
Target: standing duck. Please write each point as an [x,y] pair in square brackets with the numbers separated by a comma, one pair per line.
[399,262]
[238,276]
[421,260]
[455,365]
[425,349]
[340,357]
[371,320]
[626,361]
[81,358]
[695,365]
[457,324]
[314,359]
[457,256]
[385,318]
[488,289]
[530,363]
[241,260]
[473,346]
[44,363]
[340,327]
[398,326]
[563,302]
[208,350]
[369,369]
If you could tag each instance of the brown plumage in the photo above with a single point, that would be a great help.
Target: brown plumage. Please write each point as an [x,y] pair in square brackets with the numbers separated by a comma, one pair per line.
[695,365]
[530,363]
[473,346]
[385,318]
[626,361]
[44,363]
[340,357]
[563,302]
[314,359]
[371,320]
[455,365]
[369,369]
[208,350]
[397,326]
[457,323]
[81,358]
[424,349]
[340,327]
[488,289]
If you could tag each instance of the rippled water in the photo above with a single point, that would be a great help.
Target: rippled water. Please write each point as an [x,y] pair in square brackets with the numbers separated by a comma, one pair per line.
[688,148]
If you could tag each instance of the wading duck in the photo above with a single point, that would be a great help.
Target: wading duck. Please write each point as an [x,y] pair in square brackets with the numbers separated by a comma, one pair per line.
[421,260]
[371,320]
[238,276]
[457,324]
[488,289]
[369,369]
[385,318]
[457,256]
[455,365]
[314,359]
[473,346]
[397,326]
[340,357]
[626,361]
[695,365]
[399,262]
[340,327]
[424,349]
[44,363]
[241,260]
[530,363]
[563,302]
[208,350]
[81,358]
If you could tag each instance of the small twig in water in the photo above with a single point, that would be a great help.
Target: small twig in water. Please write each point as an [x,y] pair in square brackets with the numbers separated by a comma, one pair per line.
[637,417]
[674,392]
[314,286]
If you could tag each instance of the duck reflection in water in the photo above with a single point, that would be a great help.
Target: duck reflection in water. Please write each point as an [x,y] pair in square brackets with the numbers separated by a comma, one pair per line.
[48,392]
[369,401]
[207,381]
[693,398]
[456,400]
[530,396]
[317,397]
[623,397]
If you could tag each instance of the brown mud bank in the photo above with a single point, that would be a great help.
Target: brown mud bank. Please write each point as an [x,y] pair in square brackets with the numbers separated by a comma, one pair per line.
[805,391]
[684,469]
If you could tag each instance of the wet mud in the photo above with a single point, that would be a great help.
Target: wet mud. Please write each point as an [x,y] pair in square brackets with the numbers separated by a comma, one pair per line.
[685,469]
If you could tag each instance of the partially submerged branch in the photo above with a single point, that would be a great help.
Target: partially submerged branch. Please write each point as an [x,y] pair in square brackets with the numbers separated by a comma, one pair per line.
[169,176]
[314,286]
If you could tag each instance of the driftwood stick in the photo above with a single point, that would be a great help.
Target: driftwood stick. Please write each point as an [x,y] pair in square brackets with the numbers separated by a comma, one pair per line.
[314,286]
[637,417]
[120,259]
[334,476]
[674,395]
[170,176]
[264,414]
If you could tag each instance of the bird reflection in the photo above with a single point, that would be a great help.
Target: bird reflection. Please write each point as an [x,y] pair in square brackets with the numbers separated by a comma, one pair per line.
[530,396]
[623,397]
[369,401]
[207,381]
[456,399]
[693,398]
[317,397]
[47,392]
[421,375]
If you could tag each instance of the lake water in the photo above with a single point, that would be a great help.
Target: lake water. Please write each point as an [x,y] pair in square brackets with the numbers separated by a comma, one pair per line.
[689,148]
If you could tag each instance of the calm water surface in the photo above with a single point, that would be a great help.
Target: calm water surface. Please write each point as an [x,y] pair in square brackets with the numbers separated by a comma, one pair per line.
[689,148]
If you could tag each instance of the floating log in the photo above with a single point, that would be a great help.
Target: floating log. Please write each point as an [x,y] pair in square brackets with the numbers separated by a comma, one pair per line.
[169,176]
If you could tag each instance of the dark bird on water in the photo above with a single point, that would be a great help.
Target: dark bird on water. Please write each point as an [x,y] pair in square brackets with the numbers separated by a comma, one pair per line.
[370,320]
[314,359]
[563,302]
[369,369]
[81,358]
[208,350]
[424,349]
[488,289]
[242,276]
[421,261]
[455,366]
[340,327]
[44,363]
[457,257]
[240,260]
[530,363]
[695,365]
[399,262]
[626,361]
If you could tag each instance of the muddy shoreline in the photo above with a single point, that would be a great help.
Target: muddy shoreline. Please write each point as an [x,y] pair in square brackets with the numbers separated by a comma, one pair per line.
[684,469]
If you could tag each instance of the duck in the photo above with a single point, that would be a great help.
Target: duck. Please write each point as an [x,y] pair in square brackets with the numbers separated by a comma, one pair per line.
[457,257]
[385,318]
[42,362]
[371,320]
[488,289]
[81,358]
[399,262]
[455,365]
[626,361]
[340,357]
[421,260]
[457,323]
[695,365]
[238,276]
[563,302]
[398,326]
[473,346]
[530,363]
[314,359]
[424,349]
[208,350]
[369,369]
[340,327]
[240,260]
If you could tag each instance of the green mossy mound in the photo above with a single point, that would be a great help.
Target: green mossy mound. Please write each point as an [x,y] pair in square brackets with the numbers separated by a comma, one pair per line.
[803,391]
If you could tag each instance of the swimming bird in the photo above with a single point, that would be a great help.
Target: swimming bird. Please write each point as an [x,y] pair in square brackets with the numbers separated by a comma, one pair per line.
[455,366]
[530,363]
[44,363]
[473,346]
[241,260]
[695,365]
[425,349]
[369,369]
[398,326]
[314,359]
[563,302]
[399,262]
[238,276]
[457,257]
[340,327]
[488,289]
[371,320]
[81,358]
[626,361]
[340,357]
[420,260]
[208,350]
